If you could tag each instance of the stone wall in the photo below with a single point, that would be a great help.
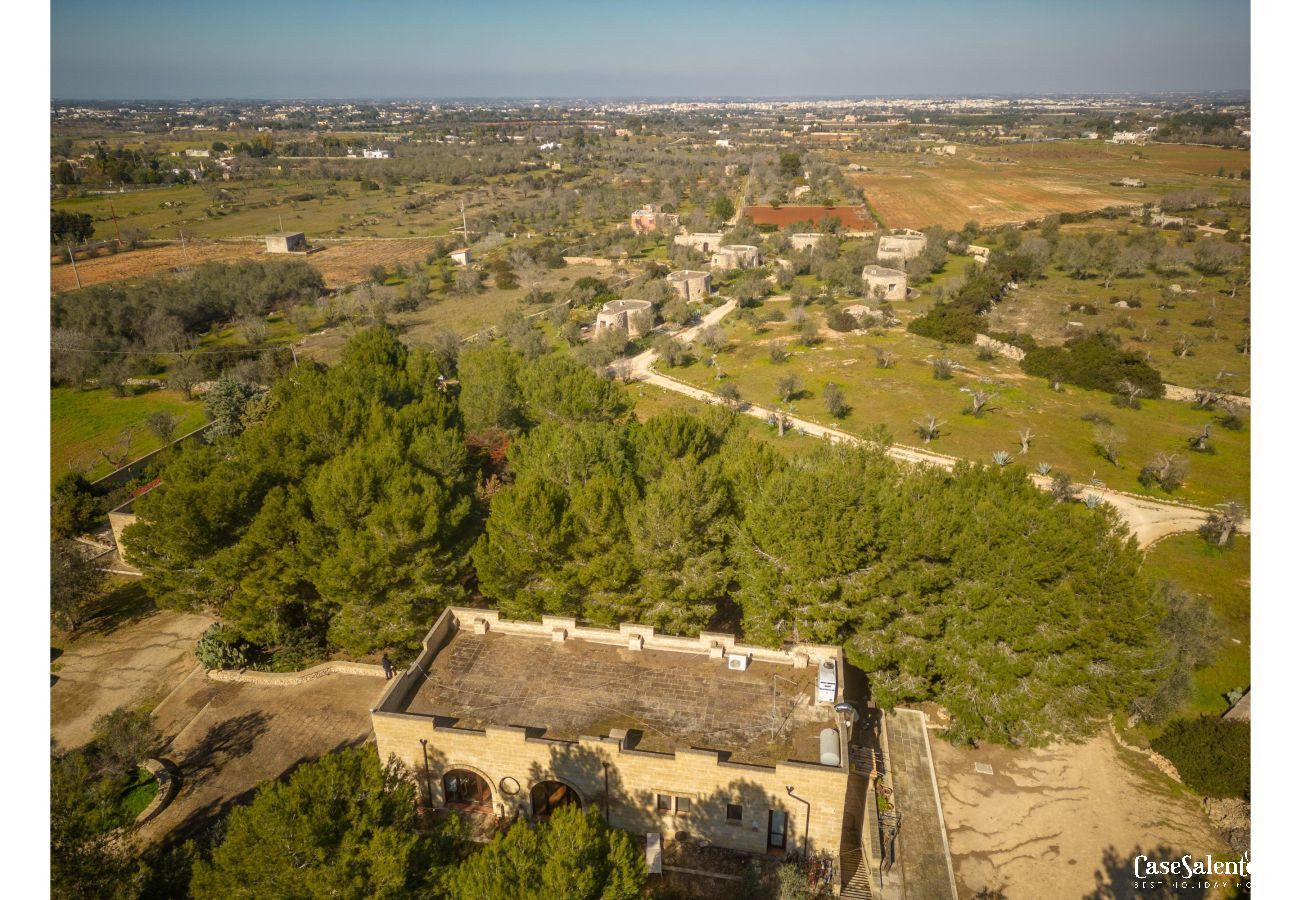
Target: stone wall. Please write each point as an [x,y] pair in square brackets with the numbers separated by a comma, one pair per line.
[512,762]
[1001,348]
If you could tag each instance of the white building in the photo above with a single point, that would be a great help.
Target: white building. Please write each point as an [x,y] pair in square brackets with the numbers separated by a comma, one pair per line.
[885,284]
[624,315]
[460,256]
[690,285]
[376,154]
[805,240]
[704,241]
[735,256]
[900,247]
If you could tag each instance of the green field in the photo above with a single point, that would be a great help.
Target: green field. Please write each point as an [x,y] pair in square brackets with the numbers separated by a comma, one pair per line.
[1222,578]
[907,391]
[255,208]
[82,422]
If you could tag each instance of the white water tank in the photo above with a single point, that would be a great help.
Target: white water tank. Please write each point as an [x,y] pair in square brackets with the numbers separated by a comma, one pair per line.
[830,747]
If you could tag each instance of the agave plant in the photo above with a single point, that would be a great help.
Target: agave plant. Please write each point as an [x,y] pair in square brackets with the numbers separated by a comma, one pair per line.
[1092,501]
[1002,458]
[1044,468]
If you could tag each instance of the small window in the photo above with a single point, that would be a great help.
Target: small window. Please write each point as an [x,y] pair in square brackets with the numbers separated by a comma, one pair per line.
[733,812]
[683,805]
[665,802]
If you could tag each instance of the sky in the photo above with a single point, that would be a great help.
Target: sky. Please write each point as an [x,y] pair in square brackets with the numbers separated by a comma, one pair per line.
[379,49]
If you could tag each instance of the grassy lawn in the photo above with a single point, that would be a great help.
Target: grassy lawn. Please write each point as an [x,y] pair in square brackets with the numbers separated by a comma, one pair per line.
[81,422]
[907,391]
[1222,578]
[137,794]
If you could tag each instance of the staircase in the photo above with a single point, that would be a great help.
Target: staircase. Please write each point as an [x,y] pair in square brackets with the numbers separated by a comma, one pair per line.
[858,887]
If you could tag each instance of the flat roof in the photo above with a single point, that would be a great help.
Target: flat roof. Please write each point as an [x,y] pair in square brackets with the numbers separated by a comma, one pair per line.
[667,699]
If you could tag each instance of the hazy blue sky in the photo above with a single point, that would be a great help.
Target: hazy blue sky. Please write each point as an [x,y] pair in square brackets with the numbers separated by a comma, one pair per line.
[494,48]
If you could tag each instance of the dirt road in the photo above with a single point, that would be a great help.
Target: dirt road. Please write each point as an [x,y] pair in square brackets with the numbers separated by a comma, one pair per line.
[1148,519]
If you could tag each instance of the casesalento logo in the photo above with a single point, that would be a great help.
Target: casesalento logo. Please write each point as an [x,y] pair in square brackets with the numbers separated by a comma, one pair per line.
[1194,872]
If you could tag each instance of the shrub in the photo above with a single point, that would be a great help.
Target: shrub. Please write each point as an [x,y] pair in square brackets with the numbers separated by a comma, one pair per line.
[221,647]
[1094,361]
[1212,754]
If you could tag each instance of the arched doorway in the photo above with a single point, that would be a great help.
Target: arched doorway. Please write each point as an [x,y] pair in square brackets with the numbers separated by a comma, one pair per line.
[548,796]
[463,789]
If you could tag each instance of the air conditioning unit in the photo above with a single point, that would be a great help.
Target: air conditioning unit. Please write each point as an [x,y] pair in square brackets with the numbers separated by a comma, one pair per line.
[827,681]
[738,662]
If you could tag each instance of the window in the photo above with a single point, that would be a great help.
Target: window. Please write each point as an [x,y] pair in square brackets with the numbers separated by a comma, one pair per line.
[683,805]
[665,802]
[734,811]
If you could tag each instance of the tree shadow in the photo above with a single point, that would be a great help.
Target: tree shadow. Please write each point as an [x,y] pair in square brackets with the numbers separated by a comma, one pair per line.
[125,604]
[225,742]
[1118,880]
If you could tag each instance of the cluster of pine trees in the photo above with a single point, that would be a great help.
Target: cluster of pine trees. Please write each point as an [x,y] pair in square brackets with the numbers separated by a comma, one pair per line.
[353,512]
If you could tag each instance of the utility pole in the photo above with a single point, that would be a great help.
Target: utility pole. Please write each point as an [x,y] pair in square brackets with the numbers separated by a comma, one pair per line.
[72,259]
[184,252]
[464,224]
[116,230]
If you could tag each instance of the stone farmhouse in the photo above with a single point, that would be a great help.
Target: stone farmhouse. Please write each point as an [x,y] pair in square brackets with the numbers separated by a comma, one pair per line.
[674,738]
[804,241]
[286,242]
[704,241]
[690,285]
[735,256]
[651,217]
[900,247]
[625,315]
[885,284]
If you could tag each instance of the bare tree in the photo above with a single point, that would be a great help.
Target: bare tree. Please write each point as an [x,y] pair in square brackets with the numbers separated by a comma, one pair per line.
[1108,441]
[163,424]
[1200,442]
[928,427]
[1026,435]
[787,386]
[1223,523]
[252,329]
[979,401]
[1168,470]
[118,453]
[884,358]
[1129,395]
[184,374]
[1183,346]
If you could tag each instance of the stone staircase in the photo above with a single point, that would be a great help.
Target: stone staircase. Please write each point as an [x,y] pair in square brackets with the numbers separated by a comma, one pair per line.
[858,887]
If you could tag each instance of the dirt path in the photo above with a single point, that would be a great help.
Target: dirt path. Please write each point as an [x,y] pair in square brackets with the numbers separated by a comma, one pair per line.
[1064,820]
[1149,519]
[132,664]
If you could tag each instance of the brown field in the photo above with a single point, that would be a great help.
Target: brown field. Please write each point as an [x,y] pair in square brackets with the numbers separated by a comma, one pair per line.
[854,218]
[349,262]
[144,262]
[1015,183]
[341,264]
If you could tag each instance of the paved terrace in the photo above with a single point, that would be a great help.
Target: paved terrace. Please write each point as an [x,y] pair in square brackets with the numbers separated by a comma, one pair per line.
[666,699]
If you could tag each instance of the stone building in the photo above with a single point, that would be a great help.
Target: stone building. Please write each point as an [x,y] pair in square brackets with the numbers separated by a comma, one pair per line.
[689,284]
[625,315]
[735,256]
[900,247]
[674,738]
[704,241]
[804,241]
[286,242]
[651,217]
[460,256]
[885,284]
